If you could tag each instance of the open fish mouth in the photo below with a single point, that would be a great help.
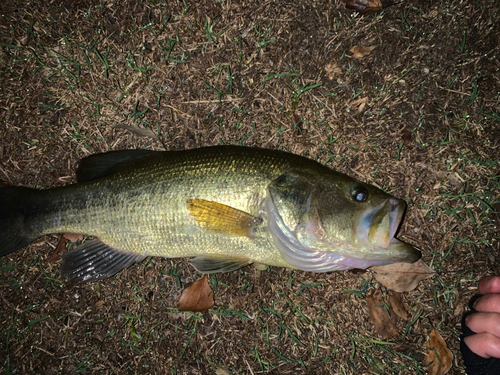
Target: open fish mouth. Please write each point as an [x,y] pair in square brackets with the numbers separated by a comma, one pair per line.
[382,222]
[376,230]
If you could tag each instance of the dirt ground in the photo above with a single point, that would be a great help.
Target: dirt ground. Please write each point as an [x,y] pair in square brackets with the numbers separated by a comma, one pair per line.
[419,116]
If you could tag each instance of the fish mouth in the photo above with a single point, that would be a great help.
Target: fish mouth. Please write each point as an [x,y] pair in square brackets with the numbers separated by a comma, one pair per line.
[402,252]
[378,226]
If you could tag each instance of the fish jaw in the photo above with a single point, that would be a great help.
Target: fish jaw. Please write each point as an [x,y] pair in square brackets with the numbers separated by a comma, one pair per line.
[378,225]
[402,252]
[375,234]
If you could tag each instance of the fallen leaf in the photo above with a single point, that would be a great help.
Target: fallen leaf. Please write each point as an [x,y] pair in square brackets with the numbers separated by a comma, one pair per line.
[402,348]
[60,248]
[385,309]
[384,324]
[454,179]
[438,357]
[360,103]
[222,371]
[332,70]
[141,132]
[402,277]
[196,297]
[363,6]
[63,242]
[406,136]
[396,303]
[361,51]
[73,237]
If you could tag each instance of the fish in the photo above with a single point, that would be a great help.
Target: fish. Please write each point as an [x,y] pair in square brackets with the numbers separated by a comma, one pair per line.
[224,207]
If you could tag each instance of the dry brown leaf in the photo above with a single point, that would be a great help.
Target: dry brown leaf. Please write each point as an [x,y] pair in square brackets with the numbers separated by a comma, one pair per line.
[383,323]
[222,371]
[361,51]
[73,237]
[438,357]
[360,103]
[141,132]
[332,70]
[60,248]
[384,313]
[196,297]
[363,6]
[63,242]
[402,277]
[396,303]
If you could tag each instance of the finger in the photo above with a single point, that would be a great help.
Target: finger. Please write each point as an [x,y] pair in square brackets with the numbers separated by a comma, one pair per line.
[489,284]
[488,303]
[485,345]
[484,322]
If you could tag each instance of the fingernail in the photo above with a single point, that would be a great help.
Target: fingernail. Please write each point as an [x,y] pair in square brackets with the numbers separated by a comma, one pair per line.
[487,281]
[467,318]
[475,303]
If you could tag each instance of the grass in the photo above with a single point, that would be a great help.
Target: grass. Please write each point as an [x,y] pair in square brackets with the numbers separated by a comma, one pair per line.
[209,73]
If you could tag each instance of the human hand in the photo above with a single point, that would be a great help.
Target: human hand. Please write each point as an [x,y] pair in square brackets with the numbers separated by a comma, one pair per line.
[486,321]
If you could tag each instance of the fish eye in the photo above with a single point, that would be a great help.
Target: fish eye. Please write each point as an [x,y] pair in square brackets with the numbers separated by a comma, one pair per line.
[359,194]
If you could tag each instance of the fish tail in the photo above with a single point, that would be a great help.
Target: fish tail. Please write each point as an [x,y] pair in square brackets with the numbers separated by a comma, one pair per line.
[14,206]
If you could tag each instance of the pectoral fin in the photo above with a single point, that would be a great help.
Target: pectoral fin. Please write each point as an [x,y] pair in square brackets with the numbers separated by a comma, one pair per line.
[94,260]
[219,263]
[221,218]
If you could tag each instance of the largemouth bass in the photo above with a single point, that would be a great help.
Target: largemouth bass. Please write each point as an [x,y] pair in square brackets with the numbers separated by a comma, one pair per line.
[225,207]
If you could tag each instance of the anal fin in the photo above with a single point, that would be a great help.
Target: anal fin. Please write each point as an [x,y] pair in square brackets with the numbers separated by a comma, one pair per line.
[94,260]
[219,263]
[219,217]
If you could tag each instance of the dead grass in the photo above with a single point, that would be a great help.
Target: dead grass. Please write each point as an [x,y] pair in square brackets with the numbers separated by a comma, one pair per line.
[419,116]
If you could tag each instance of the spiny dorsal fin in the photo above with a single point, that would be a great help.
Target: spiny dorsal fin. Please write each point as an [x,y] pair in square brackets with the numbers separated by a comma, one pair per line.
[219,263]
[100,165]
[94,260]
[221,218]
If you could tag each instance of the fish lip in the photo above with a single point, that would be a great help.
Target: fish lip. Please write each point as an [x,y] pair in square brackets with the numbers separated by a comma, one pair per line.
[411,255]
[396,211]
[368,230]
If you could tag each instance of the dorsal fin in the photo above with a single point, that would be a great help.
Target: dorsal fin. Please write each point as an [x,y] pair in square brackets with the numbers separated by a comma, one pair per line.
[100,165]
